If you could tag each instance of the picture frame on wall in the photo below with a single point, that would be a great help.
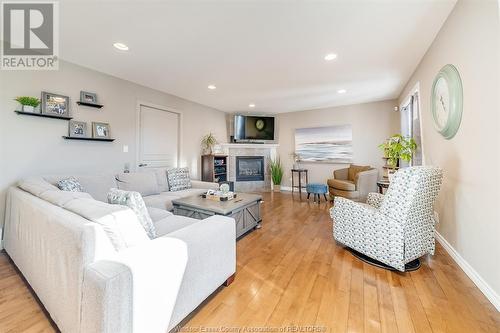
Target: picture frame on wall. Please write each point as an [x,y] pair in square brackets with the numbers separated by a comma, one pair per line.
[100,130]
[77,129]
[55,104]
[88,97]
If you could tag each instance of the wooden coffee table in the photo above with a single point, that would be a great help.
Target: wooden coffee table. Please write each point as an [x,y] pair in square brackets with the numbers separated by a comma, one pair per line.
[245,209]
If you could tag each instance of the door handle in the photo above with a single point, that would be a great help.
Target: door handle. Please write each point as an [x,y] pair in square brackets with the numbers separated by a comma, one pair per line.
[142,165]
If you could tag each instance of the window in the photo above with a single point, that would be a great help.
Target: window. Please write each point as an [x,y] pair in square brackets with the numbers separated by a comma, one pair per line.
[411,125]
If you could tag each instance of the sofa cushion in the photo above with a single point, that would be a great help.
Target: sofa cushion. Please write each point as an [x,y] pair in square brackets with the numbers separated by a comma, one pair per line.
[178,179]
[161,201]
[36,185]
[118,222]
[70,184]
[173,223]
[355,169]
[353,195]
[97,186]
[161,178]
[143,182]
[157,214]
[134,201]
[345,185]
[61,198]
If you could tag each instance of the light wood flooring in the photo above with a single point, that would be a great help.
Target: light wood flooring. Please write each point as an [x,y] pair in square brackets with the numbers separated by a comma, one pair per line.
[292,277]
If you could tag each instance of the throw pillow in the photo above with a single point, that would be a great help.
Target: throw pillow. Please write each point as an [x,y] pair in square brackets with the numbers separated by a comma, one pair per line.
[70,184]
[134,201]
[178,179]
[355,169]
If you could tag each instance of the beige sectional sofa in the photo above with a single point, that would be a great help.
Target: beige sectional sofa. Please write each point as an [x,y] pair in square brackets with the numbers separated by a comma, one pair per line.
[152,185]
[65,245]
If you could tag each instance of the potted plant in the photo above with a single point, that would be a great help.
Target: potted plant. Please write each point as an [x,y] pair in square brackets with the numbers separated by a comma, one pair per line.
[396,148]
[208,142]
[276,173]
[28,104]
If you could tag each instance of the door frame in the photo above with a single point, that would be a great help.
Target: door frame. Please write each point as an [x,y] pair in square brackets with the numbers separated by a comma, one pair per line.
[138,129]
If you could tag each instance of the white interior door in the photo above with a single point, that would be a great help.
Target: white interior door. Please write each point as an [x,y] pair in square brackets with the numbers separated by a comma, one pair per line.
[159,132]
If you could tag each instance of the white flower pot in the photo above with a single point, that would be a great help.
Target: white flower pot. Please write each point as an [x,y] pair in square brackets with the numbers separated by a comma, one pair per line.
[28,108]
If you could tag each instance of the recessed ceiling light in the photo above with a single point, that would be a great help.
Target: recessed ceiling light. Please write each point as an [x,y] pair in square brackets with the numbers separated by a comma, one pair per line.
[330,56]
[211,87]
[251,105]
[121,46]
[341,91]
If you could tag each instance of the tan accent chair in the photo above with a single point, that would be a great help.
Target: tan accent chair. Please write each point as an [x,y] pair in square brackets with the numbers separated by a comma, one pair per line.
[354,182]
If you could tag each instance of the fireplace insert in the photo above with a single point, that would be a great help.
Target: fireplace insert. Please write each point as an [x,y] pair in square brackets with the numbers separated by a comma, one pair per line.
[249,168]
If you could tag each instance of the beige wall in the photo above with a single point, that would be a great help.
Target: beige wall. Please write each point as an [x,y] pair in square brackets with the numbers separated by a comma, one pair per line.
[32,145]
[469,201]
[371,124]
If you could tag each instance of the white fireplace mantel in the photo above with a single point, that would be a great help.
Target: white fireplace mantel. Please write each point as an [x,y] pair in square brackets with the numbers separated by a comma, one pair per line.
[250,145]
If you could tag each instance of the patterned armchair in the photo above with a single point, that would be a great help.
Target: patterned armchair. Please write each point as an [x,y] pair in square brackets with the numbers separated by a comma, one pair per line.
[396,228]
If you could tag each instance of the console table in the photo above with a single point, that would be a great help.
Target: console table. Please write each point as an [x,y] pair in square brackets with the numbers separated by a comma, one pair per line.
[300,186]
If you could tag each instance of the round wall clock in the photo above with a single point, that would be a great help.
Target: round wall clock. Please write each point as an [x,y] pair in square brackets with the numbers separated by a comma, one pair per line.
[447,101]
[259,124]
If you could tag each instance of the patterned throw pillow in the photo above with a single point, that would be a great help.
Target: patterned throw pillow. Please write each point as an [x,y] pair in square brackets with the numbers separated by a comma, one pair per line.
[134,201]
[178,179]
[70,184]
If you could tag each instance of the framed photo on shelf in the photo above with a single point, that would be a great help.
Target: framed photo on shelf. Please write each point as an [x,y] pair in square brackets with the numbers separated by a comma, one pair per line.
[100,130]
[88,97]
[55,105]
[77,129]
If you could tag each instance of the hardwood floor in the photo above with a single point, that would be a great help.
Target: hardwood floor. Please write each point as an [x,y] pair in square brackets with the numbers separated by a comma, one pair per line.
[292,275]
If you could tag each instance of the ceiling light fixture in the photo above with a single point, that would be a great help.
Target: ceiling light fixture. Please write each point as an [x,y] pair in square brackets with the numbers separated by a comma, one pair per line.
[251,105]
[120,46]
[341,91]
[330,56]
[211,87]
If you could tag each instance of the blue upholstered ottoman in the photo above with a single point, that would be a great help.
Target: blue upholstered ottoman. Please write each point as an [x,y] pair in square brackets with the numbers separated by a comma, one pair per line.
[317,189]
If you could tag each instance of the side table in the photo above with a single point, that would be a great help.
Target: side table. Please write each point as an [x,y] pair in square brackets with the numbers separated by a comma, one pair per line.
[300,186]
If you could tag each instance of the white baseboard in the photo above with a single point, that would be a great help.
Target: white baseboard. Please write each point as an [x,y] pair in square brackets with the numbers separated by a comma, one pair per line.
[485,288]
[289,189]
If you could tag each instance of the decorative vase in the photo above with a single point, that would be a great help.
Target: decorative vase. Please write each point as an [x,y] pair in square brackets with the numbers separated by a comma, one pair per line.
[224,188]
[276,188]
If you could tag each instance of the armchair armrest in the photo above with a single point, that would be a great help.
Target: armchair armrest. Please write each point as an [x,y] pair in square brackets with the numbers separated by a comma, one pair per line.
[153,286]
[375,199]
[341,173]
[204,185]
[366,182]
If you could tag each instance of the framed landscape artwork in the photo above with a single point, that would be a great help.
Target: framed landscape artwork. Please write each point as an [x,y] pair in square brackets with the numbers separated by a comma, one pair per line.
[332,144]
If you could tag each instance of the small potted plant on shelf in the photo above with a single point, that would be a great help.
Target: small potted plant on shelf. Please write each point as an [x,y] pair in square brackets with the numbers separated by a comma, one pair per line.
[28,104]
[396,148]
[276,173]
[208,142]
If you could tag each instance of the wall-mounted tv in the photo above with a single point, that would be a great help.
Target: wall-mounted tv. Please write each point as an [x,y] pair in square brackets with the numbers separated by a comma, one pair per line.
[253,128]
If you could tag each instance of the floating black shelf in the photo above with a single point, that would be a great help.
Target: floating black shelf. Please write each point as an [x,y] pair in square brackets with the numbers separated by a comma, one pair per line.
[92,105]
[43,115]
[87,139]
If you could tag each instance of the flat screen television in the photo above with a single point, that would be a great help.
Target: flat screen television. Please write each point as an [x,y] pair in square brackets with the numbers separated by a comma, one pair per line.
[253,128]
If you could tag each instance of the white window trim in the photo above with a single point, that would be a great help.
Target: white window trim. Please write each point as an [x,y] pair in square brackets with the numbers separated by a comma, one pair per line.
[406,101]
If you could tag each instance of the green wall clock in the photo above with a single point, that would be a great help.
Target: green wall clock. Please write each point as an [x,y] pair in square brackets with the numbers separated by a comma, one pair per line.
[447,101]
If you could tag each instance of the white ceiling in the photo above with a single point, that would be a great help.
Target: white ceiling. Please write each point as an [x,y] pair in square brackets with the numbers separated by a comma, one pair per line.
[265,52]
